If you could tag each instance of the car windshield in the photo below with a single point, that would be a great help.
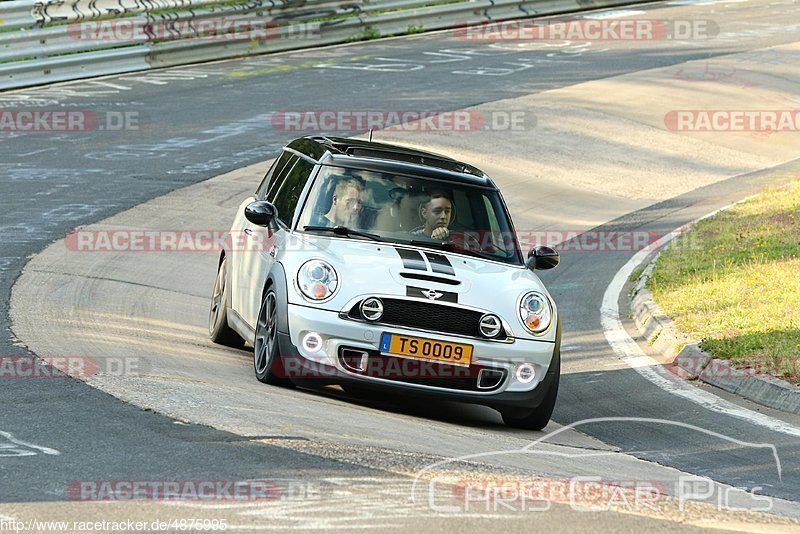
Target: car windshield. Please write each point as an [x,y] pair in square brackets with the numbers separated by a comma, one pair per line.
[411,210]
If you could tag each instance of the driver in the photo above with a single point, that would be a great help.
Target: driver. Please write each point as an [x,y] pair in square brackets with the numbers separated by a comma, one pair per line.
[436,213]
[345,204]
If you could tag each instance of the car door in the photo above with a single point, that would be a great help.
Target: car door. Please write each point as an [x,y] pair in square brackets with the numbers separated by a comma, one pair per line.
[247,238]
[284,195]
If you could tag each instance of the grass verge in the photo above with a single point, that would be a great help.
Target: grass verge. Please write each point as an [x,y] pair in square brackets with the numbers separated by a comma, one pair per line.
[733,282]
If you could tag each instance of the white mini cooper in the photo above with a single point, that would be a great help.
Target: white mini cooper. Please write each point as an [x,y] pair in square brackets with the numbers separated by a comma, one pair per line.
[375,266]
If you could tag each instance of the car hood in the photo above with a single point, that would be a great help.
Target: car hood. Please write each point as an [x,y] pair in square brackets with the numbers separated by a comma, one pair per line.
[372,268]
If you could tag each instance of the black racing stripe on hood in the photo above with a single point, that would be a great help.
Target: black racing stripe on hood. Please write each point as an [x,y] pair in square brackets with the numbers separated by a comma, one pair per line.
[412,259]
[440,264]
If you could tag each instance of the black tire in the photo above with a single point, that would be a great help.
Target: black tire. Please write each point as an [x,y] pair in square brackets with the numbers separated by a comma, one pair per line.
[538,418]
[267,361]
[218,329]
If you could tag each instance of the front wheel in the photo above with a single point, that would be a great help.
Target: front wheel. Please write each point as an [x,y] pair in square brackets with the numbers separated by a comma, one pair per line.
[538,418]
[218,329]
[267,361]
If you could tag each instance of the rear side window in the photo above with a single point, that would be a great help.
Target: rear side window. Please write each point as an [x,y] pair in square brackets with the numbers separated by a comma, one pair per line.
[286,197]
[274,174]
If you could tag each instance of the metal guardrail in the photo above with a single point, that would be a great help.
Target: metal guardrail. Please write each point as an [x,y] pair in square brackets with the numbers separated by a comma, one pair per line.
[45,41]
[16,14]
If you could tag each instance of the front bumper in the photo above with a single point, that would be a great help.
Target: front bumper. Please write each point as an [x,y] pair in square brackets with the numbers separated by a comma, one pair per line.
[325,365]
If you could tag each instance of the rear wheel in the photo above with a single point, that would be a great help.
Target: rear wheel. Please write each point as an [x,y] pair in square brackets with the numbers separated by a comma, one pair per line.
[267,361]
[538,418]
[218,329]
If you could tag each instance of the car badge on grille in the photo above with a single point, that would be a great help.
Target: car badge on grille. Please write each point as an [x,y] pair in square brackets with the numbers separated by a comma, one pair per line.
[432,294]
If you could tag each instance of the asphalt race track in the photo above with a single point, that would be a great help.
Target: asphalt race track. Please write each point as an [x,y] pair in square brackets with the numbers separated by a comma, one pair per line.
[196,412]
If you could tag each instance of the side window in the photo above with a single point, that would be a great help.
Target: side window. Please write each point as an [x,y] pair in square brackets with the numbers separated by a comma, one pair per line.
[497,235]
[289,193]
[274,174]
[280,177]
[493,226]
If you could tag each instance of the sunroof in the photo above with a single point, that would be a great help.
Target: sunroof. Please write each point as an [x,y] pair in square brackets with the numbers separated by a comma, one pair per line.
[410,157]
[355,147]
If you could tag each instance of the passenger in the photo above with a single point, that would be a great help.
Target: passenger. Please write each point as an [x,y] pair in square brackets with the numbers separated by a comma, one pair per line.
[399,212]
[437,213]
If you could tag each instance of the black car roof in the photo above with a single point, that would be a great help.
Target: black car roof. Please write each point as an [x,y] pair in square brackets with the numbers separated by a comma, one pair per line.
[385,157]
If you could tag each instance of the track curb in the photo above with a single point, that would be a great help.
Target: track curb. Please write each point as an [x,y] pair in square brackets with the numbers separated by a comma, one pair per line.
[690,362]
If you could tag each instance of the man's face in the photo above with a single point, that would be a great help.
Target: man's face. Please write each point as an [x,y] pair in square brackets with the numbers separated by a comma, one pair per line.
[348,206]
[437,213]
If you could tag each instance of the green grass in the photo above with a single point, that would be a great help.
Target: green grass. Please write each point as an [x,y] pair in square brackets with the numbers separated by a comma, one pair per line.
[367,34]
[733,282]
[637,272]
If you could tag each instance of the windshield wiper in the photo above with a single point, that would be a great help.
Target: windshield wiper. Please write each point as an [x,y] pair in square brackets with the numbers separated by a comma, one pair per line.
[342,230]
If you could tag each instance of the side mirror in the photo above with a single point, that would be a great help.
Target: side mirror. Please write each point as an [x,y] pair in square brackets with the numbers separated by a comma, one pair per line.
[541,258]
[261,213]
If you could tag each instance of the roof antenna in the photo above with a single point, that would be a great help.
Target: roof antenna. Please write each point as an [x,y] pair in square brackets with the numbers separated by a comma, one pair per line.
[370,135]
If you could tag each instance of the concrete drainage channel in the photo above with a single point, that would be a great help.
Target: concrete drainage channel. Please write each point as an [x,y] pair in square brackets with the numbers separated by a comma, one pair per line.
[57,40]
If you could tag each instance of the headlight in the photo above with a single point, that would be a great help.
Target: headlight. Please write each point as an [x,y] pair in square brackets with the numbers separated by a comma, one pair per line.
[317,280]
[535,312]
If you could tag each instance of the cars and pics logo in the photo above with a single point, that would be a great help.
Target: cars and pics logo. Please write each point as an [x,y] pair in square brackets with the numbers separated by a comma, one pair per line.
[446,489]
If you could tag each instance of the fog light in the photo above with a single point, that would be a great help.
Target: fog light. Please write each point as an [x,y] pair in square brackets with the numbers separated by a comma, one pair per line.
[312,342]
[526,373]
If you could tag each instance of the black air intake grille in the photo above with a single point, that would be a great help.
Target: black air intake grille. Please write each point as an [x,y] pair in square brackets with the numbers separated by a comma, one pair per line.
[425,373]
[428,316]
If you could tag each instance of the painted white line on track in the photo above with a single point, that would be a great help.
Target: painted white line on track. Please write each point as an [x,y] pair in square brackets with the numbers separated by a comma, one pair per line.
[630,352]
[19,450]
[704,2]
[612,14]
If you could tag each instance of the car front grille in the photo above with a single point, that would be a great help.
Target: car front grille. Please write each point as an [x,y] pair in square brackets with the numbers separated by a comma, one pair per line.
[428,316]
